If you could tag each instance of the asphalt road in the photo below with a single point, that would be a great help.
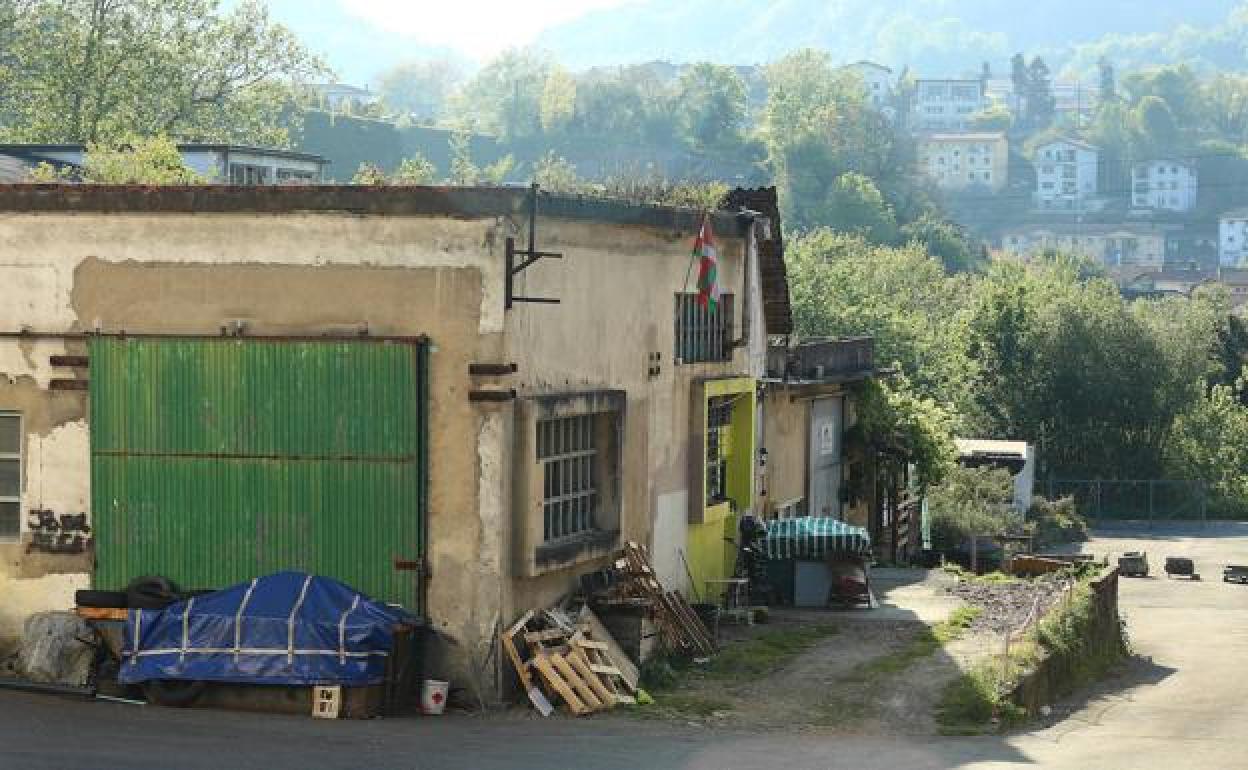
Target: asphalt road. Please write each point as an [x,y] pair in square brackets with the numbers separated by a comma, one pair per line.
[1184,705]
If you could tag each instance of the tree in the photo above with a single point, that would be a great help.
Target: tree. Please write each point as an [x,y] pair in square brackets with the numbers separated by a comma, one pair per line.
[421,89]
[505,97]
[945,240]
[1225,97]
[1211,444]
[712,104]
[1041,106]
[137,160]
[1156,130]
[465,172]
[996,117]
[558,101]
[556,174]
[1020,77]
[972,503]
[102,70]
[855,205]
[1108,81]
[413,171]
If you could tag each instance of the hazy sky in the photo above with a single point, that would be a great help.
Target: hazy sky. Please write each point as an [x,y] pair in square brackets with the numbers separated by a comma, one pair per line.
[478,28]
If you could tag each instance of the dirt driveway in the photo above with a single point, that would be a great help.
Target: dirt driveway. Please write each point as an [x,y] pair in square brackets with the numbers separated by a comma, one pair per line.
[873,672]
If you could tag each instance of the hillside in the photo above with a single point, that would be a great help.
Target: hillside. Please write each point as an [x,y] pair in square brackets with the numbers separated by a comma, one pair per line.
[931,35]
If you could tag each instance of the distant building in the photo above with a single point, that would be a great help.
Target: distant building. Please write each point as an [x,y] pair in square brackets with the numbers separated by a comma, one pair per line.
[1184,282]
[1119,247]
[1166,185]
[878,80]
[1075,102]
[1233,238]
[963,161]
[945,105]
[223,163]
[1066,172]
[340,97]
[1192,247]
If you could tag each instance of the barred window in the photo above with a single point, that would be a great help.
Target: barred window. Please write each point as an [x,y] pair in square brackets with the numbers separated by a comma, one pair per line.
[703,334]
[10,475]
[718,448]
[567,448]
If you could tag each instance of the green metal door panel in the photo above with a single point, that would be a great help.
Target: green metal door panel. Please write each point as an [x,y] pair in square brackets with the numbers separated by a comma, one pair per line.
[217,461]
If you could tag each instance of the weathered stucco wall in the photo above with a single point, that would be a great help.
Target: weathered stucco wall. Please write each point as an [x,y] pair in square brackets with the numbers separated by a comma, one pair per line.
[296,273]
[617,285]
[786,436]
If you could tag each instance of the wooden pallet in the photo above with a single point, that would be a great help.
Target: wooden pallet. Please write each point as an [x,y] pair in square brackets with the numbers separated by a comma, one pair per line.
[571,667]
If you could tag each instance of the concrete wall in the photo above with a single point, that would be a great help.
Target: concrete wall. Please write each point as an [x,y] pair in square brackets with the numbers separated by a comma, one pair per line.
[289,273]
[617,287]
[786,436]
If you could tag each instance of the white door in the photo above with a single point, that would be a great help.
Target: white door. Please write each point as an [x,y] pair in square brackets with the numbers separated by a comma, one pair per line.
[826,421]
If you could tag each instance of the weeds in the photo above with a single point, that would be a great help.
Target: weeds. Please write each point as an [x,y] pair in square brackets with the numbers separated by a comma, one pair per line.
[926,643]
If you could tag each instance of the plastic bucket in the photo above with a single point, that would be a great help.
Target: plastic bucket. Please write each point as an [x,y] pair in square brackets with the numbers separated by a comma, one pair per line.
[433,697]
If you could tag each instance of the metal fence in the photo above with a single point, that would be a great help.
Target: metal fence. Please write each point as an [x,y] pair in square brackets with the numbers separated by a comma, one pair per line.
[1132,500]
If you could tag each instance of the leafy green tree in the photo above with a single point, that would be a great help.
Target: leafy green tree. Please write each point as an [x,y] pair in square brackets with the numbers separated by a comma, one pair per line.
[711,100]
[102,70]
[464,170]
[505,97]
[855,205]
[136,160]
[415,171]
[945,240]
[1041,106]
[421,89]
[1156,130]
[1108,81]
[1225,99]
[555,173]
[558,104]
[1210,443]
[972,503]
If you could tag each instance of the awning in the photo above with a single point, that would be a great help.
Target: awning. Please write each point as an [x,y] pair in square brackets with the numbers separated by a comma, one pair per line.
[813,537]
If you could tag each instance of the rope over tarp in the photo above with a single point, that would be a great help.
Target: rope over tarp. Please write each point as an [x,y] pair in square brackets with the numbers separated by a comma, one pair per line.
[811,537]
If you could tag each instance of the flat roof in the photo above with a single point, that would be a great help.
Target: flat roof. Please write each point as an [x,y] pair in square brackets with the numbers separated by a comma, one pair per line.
[39,149]
[454,202]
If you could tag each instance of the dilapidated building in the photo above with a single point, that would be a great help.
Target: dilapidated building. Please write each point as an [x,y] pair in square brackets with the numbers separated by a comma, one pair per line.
[455,399]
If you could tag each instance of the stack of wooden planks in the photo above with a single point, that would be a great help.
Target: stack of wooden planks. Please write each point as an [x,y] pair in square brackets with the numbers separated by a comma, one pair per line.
[576,663]
[681,630]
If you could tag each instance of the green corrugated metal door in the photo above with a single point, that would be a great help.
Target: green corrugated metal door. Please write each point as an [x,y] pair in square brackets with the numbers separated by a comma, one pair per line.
[217,460]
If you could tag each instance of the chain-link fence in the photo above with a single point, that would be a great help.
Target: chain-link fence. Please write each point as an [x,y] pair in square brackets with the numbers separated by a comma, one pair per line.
[1146,500]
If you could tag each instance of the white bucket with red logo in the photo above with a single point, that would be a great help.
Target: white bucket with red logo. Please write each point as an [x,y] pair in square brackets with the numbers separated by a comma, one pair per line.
[433,696]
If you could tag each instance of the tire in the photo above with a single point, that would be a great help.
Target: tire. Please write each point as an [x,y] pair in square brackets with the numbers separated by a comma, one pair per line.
[174,693]
[151,593]
[113,600]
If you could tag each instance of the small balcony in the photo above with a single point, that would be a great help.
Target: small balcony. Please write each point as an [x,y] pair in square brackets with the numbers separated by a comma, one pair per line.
[845,359]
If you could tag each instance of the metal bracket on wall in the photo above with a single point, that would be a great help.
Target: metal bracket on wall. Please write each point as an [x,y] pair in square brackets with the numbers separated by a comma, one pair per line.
[531,255]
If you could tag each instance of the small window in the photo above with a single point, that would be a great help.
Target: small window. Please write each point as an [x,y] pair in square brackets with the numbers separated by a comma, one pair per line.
[10,476]
[703,334]
[247,174]
[567,447]
[718,448]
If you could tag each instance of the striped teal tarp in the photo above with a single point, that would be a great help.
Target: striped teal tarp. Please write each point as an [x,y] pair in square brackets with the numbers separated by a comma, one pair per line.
[810,537]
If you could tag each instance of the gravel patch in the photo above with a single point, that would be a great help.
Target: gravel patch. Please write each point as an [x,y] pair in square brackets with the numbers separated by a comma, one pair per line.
[1007,605]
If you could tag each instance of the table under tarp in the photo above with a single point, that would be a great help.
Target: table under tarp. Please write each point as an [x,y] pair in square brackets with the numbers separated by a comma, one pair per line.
[814,537]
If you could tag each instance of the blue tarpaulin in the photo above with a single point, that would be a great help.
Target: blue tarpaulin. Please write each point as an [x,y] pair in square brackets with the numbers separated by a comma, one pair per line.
[813,537]
[288,628]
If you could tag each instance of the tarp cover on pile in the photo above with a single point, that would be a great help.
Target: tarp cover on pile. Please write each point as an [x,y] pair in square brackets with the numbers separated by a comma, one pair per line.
[812,537]
[288,628]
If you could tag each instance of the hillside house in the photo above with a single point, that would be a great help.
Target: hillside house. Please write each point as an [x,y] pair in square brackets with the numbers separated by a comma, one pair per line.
[1066,174]
[959,162]
[1132,246]
[878,81]
[221,163]
[943,105]
[1233,238]
[1164,185]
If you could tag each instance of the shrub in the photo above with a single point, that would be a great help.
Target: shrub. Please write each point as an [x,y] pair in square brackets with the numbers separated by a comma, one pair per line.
[1057,521]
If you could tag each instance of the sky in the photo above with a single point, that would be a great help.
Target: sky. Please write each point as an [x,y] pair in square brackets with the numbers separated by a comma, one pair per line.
[477,28]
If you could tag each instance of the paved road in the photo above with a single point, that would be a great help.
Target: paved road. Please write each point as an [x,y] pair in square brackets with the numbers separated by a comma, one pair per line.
[1185,707]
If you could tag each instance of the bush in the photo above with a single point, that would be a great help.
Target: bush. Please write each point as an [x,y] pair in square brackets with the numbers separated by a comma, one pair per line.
[1057,521]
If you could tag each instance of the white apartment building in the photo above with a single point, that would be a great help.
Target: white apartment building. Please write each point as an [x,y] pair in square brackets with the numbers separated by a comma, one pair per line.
[1168,185]
[877,79]
[962,161]
[1233,238]
[943,105]
[1119,247]
[1066,172]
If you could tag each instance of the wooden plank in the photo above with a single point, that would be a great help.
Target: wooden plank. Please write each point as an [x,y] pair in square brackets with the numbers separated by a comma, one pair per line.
[551,635]
[586,643]
[570,676]
[557,685]
[509,646]
[615,653]
[102,613]
[578,661]
[599,668]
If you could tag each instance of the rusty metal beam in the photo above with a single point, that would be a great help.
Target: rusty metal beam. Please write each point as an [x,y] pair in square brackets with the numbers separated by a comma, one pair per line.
[75,362]
[496,396]
[492,370]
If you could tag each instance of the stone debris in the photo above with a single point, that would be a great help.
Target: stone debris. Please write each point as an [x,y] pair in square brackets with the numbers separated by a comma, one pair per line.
[1007,604]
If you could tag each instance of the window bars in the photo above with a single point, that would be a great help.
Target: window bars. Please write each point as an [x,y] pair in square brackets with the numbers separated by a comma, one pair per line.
[703,334]
[718,420]
[567,448]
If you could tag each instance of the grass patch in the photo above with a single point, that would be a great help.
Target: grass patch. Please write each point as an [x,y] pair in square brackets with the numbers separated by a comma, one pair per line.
[926,643]
[671,705]
[766,653]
